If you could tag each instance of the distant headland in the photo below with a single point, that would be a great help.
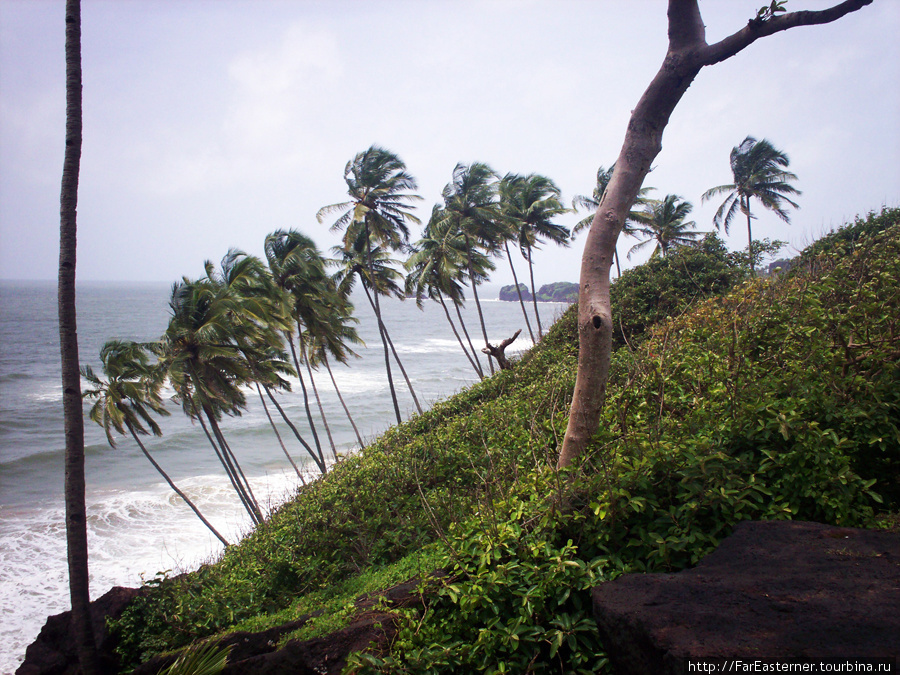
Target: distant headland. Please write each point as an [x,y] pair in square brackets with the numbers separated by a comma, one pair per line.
[561,291]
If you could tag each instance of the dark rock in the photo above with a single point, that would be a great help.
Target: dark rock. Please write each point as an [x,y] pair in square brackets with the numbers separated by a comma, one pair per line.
[790,591]
[54,653]
[372,628]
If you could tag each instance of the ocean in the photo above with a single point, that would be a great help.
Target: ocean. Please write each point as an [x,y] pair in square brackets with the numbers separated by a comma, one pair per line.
[137,526]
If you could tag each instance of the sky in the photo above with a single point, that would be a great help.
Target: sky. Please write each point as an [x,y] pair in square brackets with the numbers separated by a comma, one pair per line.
[209,124]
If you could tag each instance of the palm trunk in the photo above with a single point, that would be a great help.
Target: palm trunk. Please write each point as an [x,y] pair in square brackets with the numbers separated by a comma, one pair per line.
[403,371]
[229,470]
[277,435]
[341,399]
[534,295]
[76,511]
[519,292]
[309,417]
[312,381]
[458,338]
[749,237]
[465,330]
[387,356]
[618,266]
[312,453]
[477,301]
[242,478]
[175,488]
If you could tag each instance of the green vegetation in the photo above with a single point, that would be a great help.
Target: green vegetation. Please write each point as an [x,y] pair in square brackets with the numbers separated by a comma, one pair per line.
[776,399]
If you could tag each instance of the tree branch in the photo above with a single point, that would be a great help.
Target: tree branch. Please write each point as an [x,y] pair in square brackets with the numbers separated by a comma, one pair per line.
[756,29]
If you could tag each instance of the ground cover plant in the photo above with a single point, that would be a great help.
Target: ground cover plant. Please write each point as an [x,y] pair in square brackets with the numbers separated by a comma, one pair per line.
[778,399]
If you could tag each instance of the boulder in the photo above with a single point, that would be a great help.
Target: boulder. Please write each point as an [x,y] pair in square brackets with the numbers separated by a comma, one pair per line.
[777,590]
[54,652]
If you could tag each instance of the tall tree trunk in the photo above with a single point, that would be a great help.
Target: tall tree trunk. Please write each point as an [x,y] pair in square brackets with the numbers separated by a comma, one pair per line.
[277,435]
[309,417]
[175,488]
[382,332]
[287,420]
[618,266]
[341,399]
[687,53]
[242,478]
[403,371]
[224,460]
[315,389]
[465,330]
[537,316]
[749,237]
[477,301]
[76,511]
[458,338]
[519,292]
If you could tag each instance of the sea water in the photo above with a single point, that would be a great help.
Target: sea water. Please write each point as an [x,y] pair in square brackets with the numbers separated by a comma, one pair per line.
[137,526]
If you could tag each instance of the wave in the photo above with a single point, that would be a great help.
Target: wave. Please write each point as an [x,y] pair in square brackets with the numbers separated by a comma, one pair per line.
[132,535]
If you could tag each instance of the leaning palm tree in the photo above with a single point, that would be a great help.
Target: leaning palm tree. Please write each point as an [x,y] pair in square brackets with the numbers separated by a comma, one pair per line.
[528,205]
[471,204]
[662,222]
[436,269]
[376,215]
[380,278]
[219,326]
[298,272]
[591,203]
[759,171]
[125,399]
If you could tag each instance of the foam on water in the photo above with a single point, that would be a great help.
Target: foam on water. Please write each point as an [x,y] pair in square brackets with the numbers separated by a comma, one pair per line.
[132,535]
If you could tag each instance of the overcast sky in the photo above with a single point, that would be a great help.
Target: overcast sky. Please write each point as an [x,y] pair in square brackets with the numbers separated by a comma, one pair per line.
[209,124]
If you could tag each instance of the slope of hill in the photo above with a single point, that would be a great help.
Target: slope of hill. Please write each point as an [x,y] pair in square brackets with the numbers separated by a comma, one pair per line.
[778,399]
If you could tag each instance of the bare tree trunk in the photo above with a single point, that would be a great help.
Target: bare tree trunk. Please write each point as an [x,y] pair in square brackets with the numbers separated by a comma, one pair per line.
[465,330]
[403,371]
[277,435]
[309,417]
[687,53]
[76,511]
[459,339]
[287,420]
[537,316]
[499,352]
[312,381]
[519,292]
[749,237]
[474,286]
[341,399]
[175,488]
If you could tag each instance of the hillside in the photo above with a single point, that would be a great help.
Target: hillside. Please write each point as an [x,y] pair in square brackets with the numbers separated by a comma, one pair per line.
[729,399]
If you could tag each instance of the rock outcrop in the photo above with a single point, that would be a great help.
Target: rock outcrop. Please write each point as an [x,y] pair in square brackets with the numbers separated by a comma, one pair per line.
[53,652]
[777,590]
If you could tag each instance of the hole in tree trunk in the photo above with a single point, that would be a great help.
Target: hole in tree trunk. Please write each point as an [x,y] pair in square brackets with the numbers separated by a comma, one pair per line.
[597,321]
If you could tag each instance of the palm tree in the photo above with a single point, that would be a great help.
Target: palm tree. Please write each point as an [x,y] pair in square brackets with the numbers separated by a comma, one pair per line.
[379,277]
[125,400]
[470,203]
[528,204]
[759,171]
[220,326]
[662,222]
[376,216]
[436,269]
[593,202]
[76,511]
[298,271]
